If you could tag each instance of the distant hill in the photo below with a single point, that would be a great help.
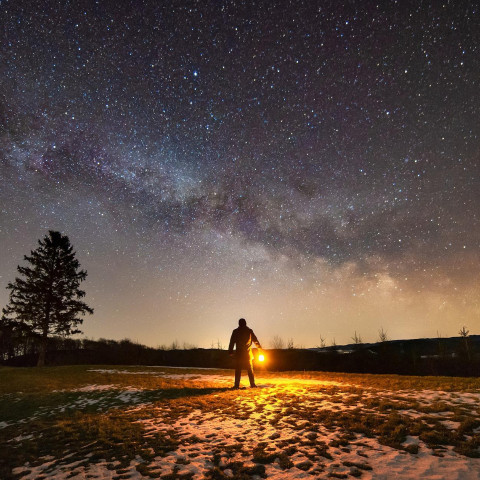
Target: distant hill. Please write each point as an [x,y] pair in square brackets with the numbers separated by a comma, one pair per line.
[451,346]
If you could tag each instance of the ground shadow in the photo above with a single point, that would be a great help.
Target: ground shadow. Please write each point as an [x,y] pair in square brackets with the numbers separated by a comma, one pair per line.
[62,403]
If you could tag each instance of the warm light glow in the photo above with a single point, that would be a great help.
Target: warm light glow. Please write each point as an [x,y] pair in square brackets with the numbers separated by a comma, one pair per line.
[261,358]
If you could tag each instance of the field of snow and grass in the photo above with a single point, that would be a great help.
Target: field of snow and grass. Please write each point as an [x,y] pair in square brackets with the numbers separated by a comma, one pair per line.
[173,423]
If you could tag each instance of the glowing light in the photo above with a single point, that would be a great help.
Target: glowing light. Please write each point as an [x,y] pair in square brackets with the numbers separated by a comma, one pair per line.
[261,358]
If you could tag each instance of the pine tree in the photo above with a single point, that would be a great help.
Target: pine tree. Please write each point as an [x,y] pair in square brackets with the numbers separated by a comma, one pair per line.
[47,300]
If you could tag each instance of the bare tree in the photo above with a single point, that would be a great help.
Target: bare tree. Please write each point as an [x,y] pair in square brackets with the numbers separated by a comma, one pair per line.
[277,343]
[464,334]
[382,335]
[357,339]
[290,344]
[323,343]
[216,345]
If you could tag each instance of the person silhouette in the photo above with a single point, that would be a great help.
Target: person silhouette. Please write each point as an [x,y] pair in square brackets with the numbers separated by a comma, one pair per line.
[243,337]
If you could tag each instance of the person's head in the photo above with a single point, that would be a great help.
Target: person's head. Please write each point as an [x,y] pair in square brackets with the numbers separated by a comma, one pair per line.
[242,322]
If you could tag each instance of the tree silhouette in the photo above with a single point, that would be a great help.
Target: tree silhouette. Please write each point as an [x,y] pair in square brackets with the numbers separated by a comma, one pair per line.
[357,339]
[382,335]
[277,342]
[464,332]
[47,300]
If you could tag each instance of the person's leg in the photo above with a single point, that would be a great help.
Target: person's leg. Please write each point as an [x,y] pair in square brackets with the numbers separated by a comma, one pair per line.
[251,376]
[238,372]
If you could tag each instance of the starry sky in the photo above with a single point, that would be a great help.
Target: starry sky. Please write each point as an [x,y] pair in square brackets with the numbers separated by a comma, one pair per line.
[312,166]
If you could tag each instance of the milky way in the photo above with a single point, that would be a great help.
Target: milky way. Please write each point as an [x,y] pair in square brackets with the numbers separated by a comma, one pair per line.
[312,166]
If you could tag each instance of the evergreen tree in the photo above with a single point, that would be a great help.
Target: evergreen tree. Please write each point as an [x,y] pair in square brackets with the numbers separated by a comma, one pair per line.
[47,300]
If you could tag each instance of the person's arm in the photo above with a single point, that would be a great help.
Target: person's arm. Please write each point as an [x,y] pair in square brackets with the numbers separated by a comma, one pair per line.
[255,341]
[232,343]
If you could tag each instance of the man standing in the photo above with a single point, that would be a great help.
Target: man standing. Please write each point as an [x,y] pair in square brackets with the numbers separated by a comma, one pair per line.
[243,337]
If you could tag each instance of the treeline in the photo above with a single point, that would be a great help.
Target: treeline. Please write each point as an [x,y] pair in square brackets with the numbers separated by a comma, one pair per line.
[68,351]
[447,356]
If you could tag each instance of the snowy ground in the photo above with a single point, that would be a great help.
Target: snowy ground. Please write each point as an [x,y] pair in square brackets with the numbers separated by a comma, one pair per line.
[286,429]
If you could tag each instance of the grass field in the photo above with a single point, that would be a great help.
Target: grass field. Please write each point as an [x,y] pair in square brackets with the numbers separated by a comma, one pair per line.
[172,423]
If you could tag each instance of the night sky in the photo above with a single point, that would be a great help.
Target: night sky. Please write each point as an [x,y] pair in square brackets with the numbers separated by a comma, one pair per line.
[311,166]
